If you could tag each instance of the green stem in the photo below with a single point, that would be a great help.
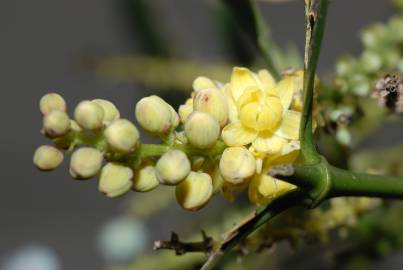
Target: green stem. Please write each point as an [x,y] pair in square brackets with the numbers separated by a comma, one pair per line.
[315,17]
[152,150]
[346,183]
[155,150]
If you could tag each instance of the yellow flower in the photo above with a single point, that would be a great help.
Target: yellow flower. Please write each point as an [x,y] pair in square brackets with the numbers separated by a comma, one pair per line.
[260,111]
[264,187]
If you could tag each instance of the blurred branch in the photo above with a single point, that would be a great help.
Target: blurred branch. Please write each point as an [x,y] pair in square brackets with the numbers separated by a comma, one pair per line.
[205,246]
[147,26]
[156,73]
[251,20]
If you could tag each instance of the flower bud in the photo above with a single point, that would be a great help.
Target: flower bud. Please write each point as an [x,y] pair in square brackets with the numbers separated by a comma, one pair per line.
[237,164]
[145,179]
[185,110]
[195,191]
[56,123]
[202,130]
[115,180]
[52,102]
[172,167]
[47,157]
[122,136]
[154,114]
[110,111]
[85,163]
[201,83]
[343,136]
[213,102]
[89,115]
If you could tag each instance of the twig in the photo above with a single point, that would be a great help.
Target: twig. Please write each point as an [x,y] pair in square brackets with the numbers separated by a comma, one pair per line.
[315,17]
[251,223]
[205,246]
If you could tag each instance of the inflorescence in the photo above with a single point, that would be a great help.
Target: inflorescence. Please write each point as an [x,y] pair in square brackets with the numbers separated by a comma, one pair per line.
[226,137]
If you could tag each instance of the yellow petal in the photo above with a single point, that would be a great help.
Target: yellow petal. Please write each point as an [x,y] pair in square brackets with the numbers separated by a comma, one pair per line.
[264,114]
[289,127]
[232,108]
[267,79]
[251,94]
[270,187]
[268,143]
[285,90]
[241,79]
[202,83]
[235,134]
[264,188]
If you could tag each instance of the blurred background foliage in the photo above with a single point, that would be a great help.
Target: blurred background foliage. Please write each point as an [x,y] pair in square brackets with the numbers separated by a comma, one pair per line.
[343,234]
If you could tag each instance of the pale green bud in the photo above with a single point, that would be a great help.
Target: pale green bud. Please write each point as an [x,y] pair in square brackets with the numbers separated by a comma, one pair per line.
[154,114]
[201,83]
[202,130]
[110,111]
[195,191]
[122,136]
[343,136]
[47,157]
[371,61]
[213,102]
[185,110]
[172,167]
[89,115]
[115,180]
[237,164]
[145,179]
[52,102]
[85,163]
[56,123]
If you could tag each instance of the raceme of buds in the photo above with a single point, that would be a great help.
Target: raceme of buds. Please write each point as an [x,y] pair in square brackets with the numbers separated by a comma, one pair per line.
[237,164]
[122,136]
[85,163]
[115,180]
[47,157]
[195,191]
[172,167]
[202,130]
[56,123]
[89,115]
[213,102]
[52,102]
[145,179]
[110,111]
[155,115]
[230,132]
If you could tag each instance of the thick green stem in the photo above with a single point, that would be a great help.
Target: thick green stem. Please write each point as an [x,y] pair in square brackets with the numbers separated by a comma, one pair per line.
[346,183]
[315,17]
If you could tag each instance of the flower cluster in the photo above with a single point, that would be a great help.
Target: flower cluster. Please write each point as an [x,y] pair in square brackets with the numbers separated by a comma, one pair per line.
[225,138]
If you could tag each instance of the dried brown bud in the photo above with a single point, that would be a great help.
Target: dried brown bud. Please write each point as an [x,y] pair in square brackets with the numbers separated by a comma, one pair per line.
[389,92]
